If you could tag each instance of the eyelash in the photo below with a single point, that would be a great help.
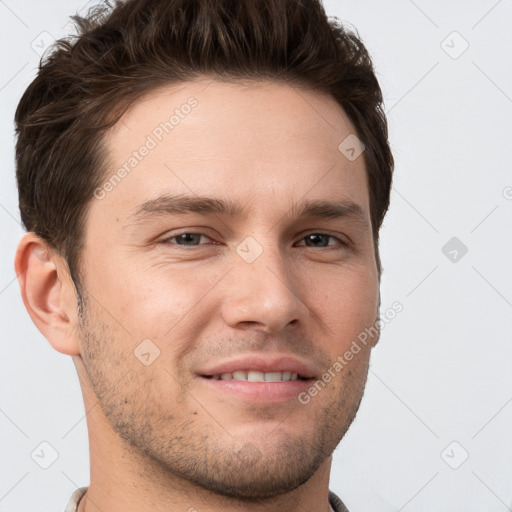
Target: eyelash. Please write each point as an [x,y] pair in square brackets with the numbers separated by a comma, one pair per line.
[167,241]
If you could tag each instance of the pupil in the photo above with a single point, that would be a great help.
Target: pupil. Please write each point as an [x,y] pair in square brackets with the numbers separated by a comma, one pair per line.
[317,237]
[186,237]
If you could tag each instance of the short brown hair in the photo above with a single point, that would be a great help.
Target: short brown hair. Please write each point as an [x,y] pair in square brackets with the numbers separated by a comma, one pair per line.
[123,51]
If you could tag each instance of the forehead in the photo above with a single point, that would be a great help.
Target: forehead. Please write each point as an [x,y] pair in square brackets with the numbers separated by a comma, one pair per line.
[266,144]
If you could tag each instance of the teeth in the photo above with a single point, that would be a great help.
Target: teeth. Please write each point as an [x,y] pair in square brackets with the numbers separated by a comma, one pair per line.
[253,376]
[257,376]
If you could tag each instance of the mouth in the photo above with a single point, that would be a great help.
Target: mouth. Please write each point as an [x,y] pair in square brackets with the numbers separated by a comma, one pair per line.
[227,386]
[257,376]
[261,378]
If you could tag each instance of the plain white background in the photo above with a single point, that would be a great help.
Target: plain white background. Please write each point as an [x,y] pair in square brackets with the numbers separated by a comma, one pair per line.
[433,431]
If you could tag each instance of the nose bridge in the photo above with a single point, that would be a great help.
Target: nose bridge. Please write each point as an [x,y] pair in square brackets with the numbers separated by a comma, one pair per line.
[263,291]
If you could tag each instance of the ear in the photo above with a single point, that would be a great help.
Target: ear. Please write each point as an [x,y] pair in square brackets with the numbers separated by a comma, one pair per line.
[48,292]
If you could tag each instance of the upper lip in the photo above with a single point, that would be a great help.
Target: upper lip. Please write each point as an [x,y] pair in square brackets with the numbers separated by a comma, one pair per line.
[261,362]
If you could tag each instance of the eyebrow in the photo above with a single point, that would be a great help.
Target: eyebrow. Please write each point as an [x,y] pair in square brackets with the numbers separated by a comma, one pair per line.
[184,204]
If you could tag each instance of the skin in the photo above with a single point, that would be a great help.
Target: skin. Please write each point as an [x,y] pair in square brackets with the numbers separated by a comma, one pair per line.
[160,438]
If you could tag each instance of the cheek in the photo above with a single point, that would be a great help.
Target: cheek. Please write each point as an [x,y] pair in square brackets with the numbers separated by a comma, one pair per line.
[349,308]
[160,303]
[347,296]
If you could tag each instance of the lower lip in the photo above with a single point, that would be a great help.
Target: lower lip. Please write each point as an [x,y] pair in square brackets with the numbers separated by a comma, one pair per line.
[260,391]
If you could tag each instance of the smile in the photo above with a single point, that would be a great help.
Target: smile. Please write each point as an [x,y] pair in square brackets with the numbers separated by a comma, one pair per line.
[257,376]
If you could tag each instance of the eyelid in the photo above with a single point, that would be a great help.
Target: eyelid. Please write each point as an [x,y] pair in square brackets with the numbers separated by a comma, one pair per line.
[191,231]
[166,239]
[337,237]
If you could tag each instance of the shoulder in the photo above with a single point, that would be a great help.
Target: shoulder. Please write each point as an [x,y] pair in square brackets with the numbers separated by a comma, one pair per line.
[77,495]
[336,503]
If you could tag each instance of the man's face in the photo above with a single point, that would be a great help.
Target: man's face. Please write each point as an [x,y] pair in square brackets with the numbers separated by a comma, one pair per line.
[263,292]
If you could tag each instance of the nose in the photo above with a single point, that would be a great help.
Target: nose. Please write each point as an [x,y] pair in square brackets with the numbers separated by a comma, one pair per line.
[263,295]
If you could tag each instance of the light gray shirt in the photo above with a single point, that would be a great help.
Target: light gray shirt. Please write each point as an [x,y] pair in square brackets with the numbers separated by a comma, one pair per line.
[336,504]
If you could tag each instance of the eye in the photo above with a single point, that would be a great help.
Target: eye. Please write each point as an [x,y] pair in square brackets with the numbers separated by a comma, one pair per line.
[191,239]
[187,239]
[321,240]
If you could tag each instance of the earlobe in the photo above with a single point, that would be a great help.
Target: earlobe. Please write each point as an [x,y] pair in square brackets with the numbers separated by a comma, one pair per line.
[47,292]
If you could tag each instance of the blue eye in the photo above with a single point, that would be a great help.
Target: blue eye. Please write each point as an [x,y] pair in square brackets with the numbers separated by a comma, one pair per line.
[188,239]
[191,239]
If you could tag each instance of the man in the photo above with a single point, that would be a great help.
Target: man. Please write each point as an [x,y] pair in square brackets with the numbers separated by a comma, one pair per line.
[203,183]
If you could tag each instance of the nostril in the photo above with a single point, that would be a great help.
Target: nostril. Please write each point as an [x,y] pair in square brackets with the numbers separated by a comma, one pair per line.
[249,323]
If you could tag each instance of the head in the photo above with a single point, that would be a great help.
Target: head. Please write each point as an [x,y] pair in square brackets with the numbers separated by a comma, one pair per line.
[257,128]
